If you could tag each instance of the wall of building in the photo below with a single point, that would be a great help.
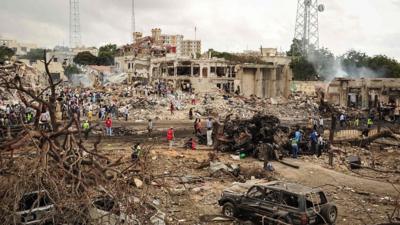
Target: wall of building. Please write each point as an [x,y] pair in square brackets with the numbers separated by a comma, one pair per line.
[309,88]
[363,93]
[20,49]
[265,81]
[55,68]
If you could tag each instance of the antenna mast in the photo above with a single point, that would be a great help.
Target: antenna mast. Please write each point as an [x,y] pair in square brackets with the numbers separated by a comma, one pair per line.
[74,24]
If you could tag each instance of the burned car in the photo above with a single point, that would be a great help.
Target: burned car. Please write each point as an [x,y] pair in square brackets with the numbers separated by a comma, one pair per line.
[35,208]
[278,203]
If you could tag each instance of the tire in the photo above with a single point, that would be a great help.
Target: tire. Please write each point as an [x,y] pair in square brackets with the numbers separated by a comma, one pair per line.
[229,210]
[329,214]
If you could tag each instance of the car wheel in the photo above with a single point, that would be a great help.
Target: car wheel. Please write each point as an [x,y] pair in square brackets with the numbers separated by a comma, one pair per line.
[229,210]
[329,214]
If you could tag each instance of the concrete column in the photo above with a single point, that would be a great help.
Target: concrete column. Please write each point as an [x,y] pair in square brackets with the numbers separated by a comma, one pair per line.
[151,75]
[175,69]
[191,70]
[364,95]
[343,94]
[258,83]
[273,83]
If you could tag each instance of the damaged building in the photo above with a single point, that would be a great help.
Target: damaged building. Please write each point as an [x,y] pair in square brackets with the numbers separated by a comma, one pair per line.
[270,79]
[364,92]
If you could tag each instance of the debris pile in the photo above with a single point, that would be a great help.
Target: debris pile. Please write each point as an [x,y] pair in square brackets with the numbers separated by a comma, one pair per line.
[243,136]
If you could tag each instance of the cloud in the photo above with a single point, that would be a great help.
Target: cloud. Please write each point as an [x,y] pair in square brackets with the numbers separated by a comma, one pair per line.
[227,25]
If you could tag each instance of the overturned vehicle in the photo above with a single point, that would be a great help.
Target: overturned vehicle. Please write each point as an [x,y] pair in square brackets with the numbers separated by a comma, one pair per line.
[278,203]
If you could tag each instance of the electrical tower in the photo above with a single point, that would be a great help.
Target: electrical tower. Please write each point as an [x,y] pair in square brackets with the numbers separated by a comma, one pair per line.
[307,30]
[74,24]
[133,22]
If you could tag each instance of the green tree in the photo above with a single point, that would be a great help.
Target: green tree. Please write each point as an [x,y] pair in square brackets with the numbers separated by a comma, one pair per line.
[34,54]
[107,54]
[385,66]
[71,69]
[352,62]
[295,50]
[303,69]
[5,53]
[85,58]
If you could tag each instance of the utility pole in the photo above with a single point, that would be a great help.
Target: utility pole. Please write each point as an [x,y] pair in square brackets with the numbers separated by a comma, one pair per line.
[75,38]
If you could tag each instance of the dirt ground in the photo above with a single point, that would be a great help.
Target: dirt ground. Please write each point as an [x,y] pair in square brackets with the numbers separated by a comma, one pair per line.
[188,195]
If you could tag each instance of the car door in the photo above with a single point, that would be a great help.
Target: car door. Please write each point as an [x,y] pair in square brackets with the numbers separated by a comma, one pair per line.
[272,200]
[251,203]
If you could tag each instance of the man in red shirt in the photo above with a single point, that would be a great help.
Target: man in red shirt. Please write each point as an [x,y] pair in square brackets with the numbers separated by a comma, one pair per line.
[170,137]
[108,126]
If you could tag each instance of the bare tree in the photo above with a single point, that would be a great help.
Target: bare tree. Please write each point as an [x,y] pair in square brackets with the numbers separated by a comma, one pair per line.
[56,160]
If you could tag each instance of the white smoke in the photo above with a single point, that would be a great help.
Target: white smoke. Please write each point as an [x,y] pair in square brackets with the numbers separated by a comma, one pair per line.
[335,68]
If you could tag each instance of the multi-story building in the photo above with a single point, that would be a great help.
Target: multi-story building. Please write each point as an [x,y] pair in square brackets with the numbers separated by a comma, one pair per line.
[19,48]
[191,48]
[271,79]
[167,40]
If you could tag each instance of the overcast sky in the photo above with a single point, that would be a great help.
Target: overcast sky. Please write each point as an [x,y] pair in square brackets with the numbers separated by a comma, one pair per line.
[371,26]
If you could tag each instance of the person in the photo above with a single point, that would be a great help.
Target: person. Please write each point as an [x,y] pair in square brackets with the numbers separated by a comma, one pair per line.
[295,147]
[198,126]
[90,115]
[150,126]
[195,126]
[86,128]
[342,120]
[103,113]
[126,113]
[172,108]
[357,122]
[237,92]
[136,152]
[193,143]
[321,123]
[44,120]
[29,117]
[320,145]
[370,122]
[190,113]
[314,141]
[170,137]
[209,132]
[315,123]
[108,126]
[295,142]
[193,99]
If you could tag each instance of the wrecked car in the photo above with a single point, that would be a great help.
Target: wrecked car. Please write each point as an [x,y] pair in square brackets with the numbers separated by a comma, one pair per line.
[279,203]
[107,212]
[35,208]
